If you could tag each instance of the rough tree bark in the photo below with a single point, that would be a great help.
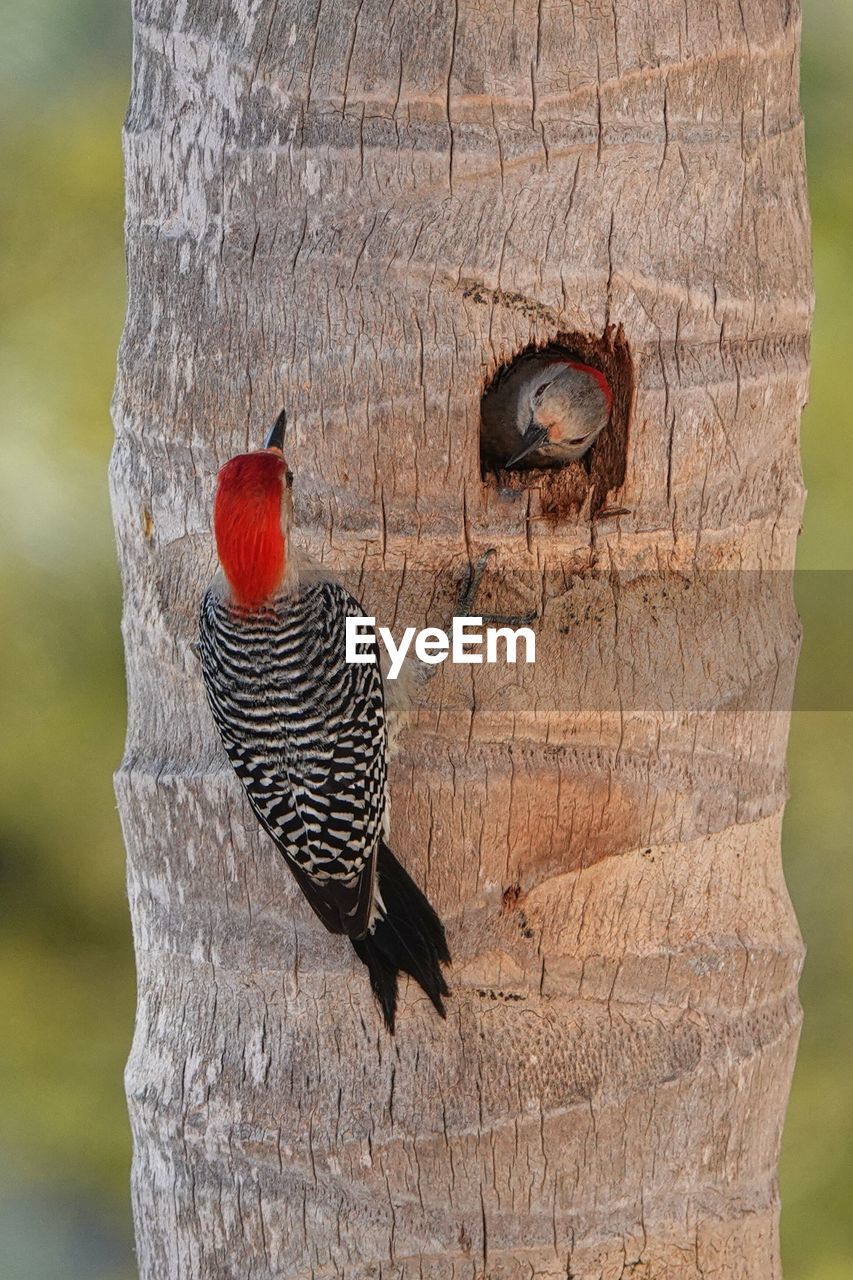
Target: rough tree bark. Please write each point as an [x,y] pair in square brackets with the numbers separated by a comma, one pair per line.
[360,210]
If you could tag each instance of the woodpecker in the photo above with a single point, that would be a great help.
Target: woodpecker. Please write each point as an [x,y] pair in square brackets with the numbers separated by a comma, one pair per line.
[307,732]
[544,411]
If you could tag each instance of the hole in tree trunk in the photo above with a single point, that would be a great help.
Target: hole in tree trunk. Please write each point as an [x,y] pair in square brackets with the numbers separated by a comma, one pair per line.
[517,409]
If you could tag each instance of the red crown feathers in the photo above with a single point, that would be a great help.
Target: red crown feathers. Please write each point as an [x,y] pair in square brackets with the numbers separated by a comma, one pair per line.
[247,523]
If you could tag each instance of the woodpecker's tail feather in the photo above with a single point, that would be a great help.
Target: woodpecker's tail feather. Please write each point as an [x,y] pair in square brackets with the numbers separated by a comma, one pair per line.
[407,935]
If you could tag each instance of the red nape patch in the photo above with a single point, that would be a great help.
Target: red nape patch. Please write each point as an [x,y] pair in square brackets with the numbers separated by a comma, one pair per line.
[247,522]
[599,377]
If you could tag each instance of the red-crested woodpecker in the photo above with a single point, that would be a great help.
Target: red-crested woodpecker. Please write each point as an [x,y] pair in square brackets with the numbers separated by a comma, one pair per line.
[544,411]
[306,732]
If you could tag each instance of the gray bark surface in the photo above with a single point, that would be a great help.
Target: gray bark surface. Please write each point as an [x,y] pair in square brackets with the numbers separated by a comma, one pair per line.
[360,210]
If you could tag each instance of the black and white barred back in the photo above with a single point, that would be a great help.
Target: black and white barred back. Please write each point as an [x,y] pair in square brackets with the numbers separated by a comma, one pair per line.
[306,735]
[305,732]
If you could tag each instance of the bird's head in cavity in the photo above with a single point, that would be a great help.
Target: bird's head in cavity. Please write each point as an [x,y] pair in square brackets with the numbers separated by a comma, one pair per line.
[252,517]
[569,406]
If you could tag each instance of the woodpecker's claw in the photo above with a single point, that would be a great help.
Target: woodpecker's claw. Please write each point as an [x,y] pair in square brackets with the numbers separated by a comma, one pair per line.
[195,649]
[468,594]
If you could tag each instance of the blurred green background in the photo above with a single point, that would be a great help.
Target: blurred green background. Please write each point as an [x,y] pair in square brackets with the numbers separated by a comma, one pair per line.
[66,972]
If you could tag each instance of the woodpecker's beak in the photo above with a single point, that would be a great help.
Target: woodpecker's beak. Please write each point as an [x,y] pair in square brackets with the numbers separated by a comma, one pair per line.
[532,438]
[275,439]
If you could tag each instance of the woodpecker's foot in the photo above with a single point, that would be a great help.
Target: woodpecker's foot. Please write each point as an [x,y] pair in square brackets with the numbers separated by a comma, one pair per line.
[468,594]
[195,649]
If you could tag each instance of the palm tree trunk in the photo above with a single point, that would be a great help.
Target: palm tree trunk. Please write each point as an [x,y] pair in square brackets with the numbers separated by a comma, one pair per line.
[360,211]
